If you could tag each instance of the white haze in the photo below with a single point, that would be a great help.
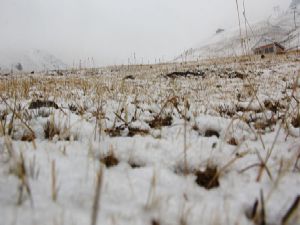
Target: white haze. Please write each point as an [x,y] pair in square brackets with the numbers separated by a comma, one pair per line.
[111,31]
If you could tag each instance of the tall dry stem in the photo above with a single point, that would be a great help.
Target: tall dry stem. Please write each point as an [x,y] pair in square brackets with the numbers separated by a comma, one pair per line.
[96,202]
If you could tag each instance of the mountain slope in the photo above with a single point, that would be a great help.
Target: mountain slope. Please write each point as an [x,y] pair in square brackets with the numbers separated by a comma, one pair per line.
[295,3]
[283,29]
[28,60]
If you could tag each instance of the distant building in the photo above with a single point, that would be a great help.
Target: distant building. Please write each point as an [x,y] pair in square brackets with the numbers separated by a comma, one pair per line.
[267,46]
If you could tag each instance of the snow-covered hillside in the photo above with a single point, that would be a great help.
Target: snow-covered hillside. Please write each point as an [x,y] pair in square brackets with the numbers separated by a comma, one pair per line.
[295,3]
[28,60]
[283,29]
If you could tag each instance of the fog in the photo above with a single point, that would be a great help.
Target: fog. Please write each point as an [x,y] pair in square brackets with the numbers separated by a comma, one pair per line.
[113,31]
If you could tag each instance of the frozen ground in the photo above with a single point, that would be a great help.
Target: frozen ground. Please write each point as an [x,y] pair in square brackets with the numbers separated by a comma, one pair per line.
[130,145]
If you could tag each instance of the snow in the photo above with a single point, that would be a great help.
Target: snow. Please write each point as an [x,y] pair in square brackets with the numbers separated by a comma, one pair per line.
[148,184]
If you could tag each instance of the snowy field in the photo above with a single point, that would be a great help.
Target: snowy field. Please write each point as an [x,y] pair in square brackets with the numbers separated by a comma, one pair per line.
[216,144]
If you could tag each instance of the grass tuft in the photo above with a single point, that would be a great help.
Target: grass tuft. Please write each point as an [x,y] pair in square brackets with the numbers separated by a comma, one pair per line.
[209,178]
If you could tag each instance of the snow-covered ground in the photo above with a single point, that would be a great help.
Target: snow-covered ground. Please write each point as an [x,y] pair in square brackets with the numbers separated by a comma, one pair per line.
[219,148]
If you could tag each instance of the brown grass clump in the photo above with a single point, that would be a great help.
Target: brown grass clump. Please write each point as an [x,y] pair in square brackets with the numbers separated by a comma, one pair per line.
[133,164]
[210,133]
[155,222]
[272,106]
[115,131]
[161,121]
[208,178]
[63,132]
[39,103]
[296,121]
[226,111]
[110,160]
[232,141]
[261,125]
[50,130]
[136,131]
[73,107]
[129,77]
[132,131]
[207,133]
[28,137]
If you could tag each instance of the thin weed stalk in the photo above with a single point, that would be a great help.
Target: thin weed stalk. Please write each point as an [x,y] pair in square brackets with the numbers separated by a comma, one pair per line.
[97,195]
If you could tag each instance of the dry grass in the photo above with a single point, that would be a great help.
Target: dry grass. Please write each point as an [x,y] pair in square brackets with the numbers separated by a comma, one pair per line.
[208,178]
[110,159]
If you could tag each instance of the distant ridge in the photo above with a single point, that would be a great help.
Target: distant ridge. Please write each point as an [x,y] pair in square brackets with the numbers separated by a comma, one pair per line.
[28,60]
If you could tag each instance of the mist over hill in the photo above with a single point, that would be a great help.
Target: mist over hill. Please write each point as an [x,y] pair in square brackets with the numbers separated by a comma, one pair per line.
[28,60]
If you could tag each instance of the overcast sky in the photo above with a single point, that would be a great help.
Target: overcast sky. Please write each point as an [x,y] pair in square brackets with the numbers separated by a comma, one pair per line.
[111,31]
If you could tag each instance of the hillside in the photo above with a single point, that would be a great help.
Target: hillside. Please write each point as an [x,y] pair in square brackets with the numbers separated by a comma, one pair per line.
[283,29]
[294,3]
[28,60]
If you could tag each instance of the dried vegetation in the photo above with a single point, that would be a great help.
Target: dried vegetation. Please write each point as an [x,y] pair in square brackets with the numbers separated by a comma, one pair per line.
[142,100]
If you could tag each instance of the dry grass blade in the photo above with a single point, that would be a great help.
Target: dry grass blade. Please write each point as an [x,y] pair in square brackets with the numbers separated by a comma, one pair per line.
[263,166]
[22,175]
[258,214]
[54,189]
[291,210]
[96,202]
[264,162]
[151,193]
[262,210]
[249,167]
[184,139]
[254,209]
[17,115]
[296,167]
